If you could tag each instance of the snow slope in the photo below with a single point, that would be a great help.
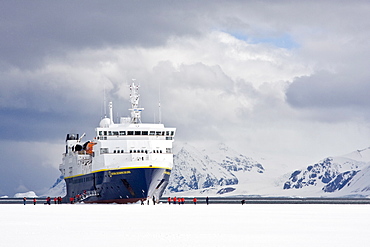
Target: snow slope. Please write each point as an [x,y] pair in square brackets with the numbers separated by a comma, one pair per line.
[359,186]
[59,188]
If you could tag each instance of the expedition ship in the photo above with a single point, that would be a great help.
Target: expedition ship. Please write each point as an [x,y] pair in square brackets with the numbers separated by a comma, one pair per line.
[126,162]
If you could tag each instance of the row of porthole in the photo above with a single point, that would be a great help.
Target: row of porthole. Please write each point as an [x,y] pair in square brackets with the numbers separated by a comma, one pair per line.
[144,133]
[145,151]
[136,151]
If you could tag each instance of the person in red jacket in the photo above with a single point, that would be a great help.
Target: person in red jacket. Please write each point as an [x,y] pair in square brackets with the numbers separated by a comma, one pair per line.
[34,201]
[169,200]
[183,200]
[195,200]
[174,200]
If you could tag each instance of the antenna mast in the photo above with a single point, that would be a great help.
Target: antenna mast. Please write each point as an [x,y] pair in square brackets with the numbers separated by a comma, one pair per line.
[111,112]
[105,103]
[134,98]
[159,103]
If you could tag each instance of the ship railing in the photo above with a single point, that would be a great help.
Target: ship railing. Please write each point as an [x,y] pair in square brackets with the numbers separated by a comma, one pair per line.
[87,194]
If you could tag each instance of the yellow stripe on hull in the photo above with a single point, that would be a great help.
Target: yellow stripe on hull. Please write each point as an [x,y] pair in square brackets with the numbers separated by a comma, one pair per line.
[126,168]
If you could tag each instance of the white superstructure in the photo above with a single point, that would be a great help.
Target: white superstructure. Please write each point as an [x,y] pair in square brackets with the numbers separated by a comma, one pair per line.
[127,144]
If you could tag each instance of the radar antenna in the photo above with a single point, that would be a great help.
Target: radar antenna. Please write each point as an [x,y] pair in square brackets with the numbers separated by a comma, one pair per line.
[134,98]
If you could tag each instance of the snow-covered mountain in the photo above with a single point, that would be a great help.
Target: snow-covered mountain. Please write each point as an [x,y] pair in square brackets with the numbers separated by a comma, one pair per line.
[340,176]
[331,174]
[195,173]
[197,169]
[59,188]
[29,194]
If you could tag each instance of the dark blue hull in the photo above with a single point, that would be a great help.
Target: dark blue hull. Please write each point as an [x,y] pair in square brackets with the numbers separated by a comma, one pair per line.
[118,185]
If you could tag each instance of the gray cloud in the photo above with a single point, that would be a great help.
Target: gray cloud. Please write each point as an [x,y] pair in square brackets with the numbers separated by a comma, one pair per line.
[31,31]
[331,96]
[329,90]
[34,31]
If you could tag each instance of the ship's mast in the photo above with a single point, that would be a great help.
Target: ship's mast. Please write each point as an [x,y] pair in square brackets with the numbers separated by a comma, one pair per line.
[111,112]
[134,98]
[159,104]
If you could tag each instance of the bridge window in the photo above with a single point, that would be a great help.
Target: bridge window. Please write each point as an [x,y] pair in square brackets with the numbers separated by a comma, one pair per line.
[137,133]
[122,133]
[130,133]
[144,133]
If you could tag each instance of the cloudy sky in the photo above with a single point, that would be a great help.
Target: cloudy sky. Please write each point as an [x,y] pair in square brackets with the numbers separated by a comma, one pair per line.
[281,78]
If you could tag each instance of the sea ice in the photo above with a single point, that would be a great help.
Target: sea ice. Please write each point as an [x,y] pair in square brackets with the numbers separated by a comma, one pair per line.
[185,225]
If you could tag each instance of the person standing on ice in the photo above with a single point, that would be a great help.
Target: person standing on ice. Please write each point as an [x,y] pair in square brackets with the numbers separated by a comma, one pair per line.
[195,201]
[153,200]
[24,200]
[34,201]
[169,200]
[174,200]
[207,200]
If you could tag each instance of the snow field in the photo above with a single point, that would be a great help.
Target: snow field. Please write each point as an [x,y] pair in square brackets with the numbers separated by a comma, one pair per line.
[185,225]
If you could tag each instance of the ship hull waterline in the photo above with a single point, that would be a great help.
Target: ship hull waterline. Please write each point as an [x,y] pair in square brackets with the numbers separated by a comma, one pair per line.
[117,185]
